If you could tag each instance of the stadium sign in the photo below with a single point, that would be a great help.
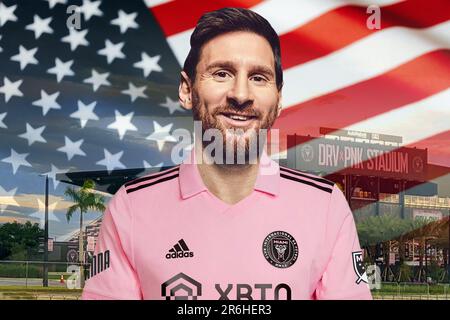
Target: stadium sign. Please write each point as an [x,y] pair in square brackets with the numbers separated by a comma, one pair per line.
[330,156]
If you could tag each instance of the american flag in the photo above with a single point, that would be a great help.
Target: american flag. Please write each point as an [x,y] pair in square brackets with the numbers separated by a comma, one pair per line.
[98,96]
[105,96]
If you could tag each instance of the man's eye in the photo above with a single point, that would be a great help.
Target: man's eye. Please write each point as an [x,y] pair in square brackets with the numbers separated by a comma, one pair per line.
[259,79]
[221,74]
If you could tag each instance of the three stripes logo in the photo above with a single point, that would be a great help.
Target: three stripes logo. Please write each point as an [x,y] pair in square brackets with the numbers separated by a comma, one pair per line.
[180,250]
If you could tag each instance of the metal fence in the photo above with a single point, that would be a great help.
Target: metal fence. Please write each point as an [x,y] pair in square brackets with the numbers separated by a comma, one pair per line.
[25,280]
[412,291]
[31,273]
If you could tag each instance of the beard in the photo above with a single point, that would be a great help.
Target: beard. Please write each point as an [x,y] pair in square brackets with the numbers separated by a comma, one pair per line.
[245,144]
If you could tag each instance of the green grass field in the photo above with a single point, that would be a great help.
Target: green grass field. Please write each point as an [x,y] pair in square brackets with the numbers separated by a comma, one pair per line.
[38,289]
[387,291]
[38,293]
[57,275]
[440,289]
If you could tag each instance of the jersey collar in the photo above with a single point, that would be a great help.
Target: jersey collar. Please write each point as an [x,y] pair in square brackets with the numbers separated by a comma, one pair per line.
[191,183]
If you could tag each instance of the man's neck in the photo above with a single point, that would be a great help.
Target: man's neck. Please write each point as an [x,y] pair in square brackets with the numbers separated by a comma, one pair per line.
[230,183]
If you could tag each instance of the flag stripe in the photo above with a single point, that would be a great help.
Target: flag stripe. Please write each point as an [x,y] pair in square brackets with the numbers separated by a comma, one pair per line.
[287,15]
[345,25]
[362,100]
[154,3]
[284,15]
[426,113]
[438,148]
[180,15]
[364,59]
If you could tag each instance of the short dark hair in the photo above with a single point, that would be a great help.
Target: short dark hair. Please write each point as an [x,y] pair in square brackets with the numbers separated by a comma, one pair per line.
[215,23]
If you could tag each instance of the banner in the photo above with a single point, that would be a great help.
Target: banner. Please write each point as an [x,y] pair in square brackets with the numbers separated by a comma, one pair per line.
[330,156]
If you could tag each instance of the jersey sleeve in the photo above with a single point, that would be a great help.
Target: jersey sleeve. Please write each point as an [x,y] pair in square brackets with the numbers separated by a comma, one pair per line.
[344,276]
[112,275]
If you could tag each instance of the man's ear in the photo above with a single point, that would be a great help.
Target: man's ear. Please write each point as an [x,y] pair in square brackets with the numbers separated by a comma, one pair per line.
[280,106]
[185,91]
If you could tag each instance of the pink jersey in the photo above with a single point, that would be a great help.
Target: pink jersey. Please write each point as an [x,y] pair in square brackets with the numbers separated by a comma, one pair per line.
[165,236]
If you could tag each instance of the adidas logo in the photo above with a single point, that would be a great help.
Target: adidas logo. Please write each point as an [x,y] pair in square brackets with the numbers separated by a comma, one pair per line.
[180,250]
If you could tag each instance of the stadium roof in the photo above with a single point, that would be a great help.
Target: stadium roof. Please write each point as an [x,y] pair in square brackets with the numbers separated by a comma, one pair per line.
[106,181]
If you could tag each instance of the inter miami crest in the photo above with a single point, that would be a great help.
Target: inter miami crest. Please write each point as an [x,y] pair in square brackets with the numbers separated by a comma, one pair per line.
[280,249]
[358,266]
[307,153]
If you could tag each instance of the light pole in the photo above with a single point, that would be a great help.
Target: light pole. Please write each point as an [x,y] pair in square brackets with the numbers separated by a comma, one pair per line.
[45,275]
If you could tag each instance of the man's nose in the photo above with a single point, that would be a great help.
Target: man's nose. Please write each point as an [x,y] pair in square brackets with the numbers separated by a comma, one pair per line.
[240,94]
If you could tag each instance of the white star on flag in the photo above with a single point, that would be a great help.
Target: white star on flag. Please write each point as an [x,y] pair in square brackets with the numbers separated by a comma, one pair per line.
[171,105]
[72,148]
[40,26]
[47,102]
[7,198]
[52,3]
[122,123]
[161,135]
[61,69]
[98,79]
[7,13]
[52,174]
[112,51]
[76,38]
[90,9]
[17,160]
[25,57]
[33,135]
[111,161]
[125,21]
[10,89]
[148,64]
[147,165]
[2,124]
[85,112]
[135,92]
[40,214]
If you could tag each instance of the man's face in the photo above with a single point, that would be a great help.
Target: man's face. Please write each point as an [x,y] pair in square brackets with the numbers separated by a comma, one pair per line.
[235,86]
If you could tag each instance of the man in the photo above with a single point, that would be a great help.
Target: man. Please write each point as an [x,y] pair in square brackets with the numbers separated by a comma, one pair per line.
[214,229]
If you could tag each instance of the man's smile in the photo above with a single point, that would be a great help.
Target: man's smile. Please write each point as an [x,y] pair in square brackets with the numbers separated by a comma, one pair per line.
[237,119]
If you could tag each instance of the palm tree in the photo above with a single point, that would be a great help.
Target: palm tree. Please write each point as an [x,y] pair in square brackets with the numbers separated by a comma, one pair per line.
[378,229]
[84,199]
[382,229]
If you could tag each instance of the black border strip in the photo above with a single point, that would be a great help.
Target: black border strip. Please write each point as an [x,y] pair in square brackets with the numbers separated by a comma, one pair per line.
[328,182]
[307,182]
[151,183]
[157,175]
